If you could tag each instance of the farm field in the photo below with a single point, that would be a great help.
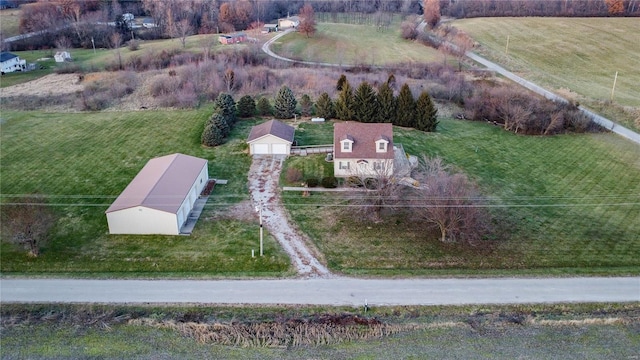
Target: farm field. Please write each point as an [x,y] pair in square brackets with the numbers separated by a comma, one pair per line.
[10,22]
[574,57]
[574,331]
[561,205]
[82,161]
[354,45]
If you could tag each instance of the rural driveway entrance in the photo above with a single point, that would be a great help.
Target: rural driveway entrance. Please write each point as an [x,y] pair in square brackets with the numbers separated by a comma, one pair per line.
[264,175]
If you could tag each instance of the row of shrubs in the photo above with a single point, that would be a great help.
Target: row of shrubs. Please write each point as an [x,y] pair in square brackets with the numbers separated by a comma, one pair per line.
[329,182]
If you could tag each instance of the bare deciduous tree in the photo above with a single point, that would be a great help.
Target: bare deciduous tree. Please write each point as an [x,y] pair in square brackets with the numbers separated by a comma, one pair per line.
[449,201]
[182,29]
[27,222]
[115,40]
[376,190]
[307,20]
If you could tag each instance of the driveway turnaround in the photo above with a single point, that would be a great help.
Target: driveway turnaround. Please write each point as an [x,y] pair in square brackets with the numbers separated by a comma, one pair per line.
[324,291]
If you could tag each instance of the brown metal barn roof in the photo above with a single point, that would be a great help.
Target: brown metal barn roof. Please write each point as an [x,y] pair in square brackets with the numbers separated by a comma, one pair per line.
[272,127]
[162,184]
[364,137]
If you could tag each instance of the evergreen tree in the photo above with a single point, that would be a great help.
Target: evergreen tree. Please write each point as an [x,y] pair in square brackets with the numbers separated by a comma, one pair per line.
[285,103]
[366,104]
[225,104]
[387,104]
[345,105]
[306,105]
[215,130]
[406,108]
[246,107]
[264,107]
[391,81]
[341,81]
[324,107]
[427,113]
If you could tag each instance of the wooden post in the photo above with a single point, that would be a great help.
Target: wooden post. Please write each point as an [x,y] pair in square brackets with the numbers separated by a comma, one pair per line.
[613,89]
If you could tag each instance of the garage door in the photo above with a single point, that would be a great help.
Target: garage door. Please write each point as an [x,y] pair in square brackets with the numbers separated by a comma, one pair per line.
[280,149]
[260,149]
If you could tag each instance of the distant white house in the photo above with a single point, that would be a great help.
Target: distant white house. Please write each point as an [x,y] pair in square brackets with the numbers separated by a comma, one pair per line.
[159,199]
[128,17]
[11,62]
[289,22]
[62,56]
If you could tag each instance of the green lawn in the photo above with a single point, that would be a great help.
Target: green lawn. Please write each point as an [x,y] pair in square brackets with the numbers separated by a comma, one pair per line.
[82,161]
[580,55]
[354,44]
[561,204]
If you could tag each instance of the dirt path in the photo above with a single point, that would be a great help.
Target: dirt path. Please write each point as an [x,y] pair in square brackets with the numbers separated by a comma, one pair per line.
[263,186]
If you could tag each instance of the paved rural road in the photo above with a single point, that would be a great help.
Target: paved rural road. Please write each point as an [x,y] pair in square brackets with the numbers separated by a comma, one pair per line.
[604,122]
[334,291]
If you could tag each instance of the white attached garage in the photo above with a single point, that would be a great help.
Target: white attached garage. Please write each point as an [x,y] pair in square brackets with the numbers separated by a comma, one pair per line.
[159,199]
[271,138]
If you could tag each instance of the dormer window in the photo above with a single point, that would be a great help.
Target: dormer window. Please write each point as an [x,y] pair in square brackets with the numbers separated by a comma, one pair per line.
[382,144]
[347,144]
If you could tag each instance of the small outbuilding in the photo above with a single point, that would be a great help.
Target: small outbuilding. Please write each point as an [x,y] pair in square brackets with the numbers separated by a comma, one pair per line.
[159,199]
[62,56]
[271,138]
[236,38]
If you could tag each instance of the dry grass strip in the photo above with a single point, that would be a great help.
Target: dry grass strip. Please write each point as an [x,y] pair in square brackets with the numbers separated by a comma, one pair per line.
[290,333]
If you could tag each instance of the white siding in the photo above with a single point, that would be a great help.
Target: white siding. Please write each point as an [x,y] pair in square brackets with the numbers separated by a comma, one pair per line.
[269,145]
[142,220]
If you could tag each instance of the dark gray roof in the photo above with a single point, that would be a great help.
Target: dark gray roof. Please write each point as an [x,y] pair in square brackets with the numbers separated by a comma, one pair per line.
[7,56]
[272,127]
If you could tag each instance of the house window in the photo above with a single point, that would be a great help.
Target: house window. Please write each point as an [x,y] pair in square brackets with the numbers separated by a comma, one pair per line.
[344,165]
[346,145]
[381,146]
[377,165]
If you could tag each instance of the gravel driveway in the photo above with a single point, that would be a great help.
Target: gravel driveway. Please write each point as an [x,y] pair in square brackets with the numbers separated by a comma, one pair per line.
[264,175]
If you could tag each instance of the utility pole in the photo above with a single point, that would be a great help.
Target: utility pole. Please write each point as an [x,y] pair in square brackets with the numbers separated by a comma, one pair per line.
[94,45]
[259,210]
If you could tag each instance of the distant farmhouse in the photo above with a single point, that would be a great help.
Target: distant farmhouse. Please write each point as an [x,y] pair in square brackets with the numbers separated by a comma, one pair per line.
[159,199]
[289,22]
[232,38]
[11,62]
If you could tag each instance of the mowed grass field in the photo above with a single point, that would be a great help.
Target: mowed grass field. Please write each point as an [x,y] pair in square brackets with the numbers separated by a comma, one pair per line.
[580,55]
[354,45]
[10,22]
[82,161]
[563,204]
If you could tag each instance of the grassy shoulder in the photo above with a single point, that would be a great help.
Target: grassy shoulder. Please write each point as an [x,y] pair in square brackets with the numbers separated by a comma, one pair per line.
[575,57]
[571,331]
[82,161]
[354,45]
[561,205]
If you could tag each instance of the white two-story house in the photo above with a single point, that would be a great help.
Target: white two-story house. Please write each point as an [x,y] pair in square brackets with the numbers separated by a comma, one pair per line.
[363,149]
[10,62]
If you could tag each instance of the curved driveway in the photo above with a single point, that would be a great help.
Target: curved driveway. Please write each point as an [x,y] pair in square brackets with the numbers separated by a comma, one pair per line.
[334,291]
